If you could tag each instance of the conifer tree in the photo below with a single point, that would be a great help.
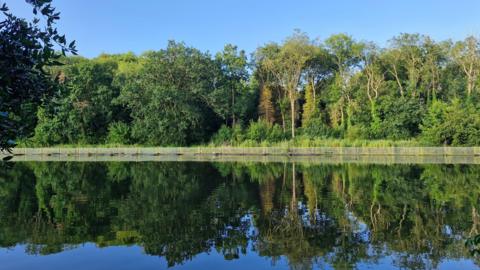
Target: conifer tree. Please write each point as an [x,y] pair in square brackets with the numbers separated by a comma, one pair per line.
[265,106]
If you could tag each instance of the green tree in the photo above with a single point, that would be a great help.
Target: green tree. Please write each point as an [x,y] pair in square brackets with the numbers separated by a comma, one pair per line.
[375,81]
[170,98]
[400,117]
[318,72]
[25,49]
[453,124]
[233,65]
[287,67]
[84,108]
[467,55]
[347,55]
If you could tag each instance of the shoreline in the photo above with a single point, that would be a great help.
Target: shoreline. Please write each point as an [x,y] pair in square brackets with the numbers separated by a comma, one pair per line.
[334,160]
[332,155]
[251,151]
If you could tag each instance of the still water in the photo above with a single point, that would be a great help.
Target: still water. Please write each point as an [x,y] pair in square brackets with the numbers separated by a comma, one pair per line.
[233,215]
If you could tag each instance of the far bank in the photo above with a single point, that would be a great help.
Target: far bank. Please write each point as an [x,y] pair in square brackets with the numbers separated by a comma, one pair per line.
[250,151]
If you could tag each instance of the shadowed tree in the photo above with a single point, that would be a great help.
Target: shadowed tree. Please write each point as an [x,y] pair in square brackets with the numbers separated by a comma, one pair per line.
[26,48]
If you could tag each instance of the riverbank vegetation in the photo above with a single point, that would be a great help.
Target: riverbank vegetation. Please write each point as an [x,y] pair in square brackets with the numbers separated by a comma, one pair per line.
[300,91]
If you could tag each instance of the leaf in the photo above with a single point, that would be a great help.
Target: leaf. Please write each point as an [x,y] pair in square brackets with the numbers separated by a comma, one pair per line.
[4,8]
[7,158]
[477,239]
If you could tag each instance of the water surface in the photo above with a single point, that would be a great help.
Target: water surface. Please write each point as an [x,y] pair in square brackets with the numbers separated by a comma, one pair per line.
[237,215]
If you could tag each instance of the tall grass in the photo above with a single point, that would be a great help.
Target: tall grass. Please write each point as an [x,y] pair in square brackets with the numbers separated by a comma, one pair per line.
[297,142]
[306,142]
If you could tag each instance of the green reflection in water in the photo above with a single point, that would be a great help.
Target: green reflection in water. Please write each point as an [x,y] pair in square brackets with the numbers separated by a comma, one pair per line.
[339,215]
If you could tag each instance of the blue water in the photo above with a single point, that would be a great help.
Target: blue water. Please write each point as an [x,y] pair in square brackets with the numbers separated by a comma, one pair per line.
[88,256]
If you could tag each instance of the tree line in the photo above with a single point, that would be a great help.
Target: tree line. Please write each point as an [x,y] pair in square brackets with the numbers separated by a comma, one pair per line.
[415,88]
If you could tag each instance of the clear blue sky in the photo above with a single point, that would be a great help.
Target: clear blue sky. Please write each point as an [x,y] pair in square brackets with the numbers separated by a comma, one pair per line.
[114,26]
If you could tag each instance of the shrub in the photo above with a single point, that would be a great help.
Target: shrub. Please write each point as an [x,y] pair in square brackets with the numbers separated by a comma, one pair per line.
[223,136]
[119,133]
[48,130]
[454,124]
[276,134]
[258,131]
[262,131]
[238,134]
[316,128]
[400,118]
[357,132]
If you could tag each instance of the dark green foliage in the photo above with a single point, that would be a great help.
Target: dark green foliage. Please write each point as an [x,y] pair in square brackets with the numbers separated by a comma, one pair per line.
[415,88]
[474,244]
[25,49]
[224,136]
[170,97]
[231,96]
[83,108]
[257,132]
[119,133]
[400,118]
[260,131]
[317,128]
[452,124]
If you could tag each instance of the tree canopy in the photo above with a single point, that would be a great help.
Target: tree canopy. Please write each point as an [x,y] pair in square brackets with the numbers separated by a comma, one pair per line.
[415,88]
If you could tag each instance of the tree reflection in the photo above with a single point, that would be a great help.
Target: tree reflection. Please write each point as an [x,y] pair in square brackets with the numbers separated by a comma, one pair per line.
[314,215]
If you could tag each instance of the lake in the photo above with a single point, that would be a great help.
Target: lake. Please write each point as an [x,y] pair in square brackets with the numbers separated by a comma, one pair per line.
[237,215]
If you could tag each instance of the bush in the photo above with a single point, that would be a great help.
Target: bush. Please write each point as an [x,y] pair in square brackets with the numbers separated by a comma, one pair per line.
[223,136]
[400,118]
[262,131]
[258,131]
[357,132]
[119,133]
[228,136]
[48,130]
[455,124]
[276,134]
[238,135]
[316,128]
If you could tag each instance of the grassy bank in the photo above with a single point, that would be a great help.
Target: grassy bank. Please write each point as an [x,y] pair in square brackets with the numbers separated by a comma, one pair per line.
[303,142]
[300,142]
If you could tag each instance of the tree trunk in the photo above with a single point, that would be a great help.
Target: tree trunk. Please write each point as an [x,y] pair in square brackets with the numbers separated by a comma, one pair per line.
[395,74]
[470,84]
[342,118]
[292,113]
[233,108]
[314,97]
